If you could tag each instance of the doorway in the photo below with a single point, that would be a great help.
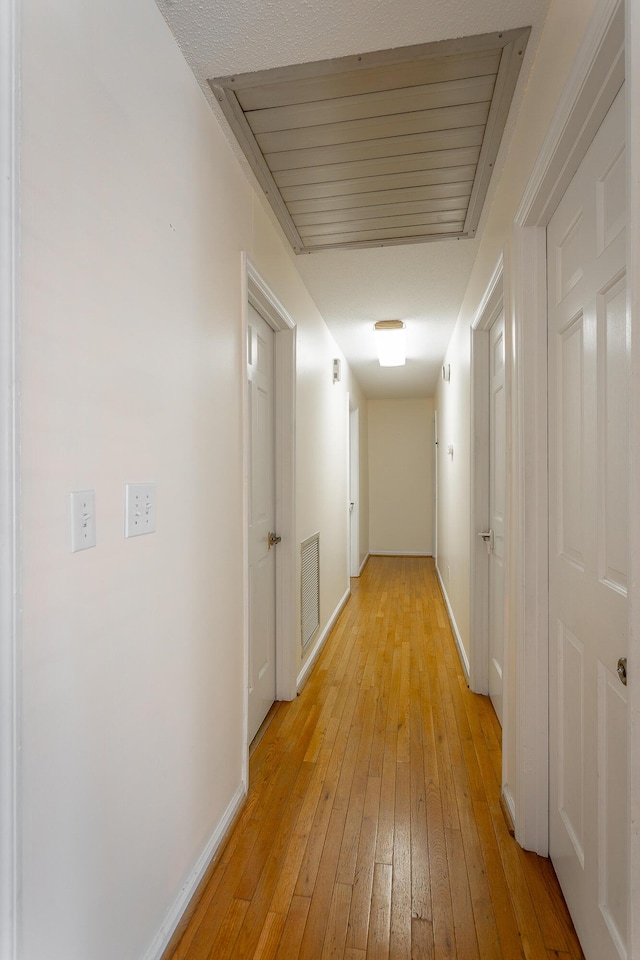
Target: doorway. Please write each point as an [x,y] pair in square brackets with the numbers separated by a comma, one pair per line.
[263,540]
[354,493]
[489,488]
[279,325]
[591,89]
[588,360]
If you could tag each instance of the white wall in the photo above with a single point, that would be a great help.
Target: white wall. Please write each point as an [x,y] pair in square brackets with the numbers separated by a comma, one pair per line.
[134,216]
[560,40]
[401,459]
[357,400]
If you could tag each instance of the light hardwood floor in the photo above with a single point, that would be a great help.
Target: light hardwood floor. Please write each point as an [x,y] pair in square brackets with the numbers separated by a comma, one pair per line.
[373,827]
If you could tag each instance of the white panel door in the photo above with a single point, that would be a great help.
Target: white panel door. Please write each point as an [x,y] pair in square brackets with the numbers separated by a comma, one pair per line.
[261,508]
[497,492]
[588,512]
[354,493]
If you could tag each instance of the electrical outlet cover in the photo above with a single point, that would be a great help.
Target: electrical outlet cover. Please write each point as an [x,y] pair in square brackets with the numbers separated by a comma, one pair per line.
[83,520]
[140,509]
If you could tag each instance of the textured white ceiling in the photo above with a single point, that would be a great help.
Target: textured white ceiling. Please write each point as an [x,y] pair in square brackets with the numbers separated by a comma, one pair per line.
[422,284]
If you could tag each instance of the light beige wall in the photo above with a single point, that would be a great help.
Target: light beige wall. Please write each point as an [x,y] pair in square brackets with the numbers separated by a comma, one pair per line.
[134,217]
[357,400]
[454,490]
[560,40]
[401,476]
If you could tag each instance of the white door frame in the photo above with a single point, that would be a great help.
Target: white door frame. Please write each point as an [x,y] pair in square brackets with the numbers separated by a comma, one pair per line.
[258,294]
[9,488]
[354,492]
[435,487]
[488,311]
[595,78]
[633,285]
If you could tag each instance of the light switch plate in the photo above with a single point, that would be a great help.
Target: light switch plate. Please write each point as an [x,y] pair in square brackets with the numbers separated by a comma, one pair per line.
[140,509]
[83,520]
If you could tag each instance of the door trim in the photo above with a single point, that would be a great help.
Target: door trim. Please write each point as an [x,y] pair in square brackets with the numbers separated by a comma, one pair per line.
[257,293]
[487,313]
[10,583]
[354,491]
[633,280]
[596,77]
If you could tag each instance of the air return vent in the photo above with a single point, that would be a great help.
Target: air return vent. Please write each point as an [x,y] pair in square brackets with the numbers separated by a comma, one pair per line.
[386,147]
[310,615]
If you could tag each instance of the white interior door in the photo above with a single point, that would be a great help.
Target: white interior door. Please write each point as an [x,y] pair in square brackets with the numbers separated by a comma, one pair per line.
[497,493]
[588,512]
[261,509]
[435,487]
[354,493]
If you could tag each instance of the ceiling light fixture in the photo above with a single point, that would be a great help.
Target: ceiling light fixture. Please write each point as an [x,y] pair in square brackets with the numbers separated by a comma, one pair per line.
[391,342]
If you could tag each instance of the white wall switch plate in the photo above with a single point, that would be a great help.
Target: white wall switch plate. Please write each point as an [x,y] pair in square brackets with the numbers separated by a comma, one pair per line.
[83,520]
[140,509]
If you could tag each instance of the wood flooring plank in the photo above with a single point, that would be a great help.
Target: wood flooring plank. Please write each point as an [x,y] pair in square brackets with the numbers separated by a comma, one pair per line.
[499,891]
[400,935]
[321,901]
[420,878]
[270,937]
[321,726]
[315,844]
[224,942]
[463,919]
[358,929]
[336,934]
[422,947]
[209,925]
[380,921]
[484,919]
[356,801]
[293,930]
[491,783]
[551,910]
[386,814]
[186,941]
[404,706]
[531,936]
[442,907]
[273,839]
[443,754]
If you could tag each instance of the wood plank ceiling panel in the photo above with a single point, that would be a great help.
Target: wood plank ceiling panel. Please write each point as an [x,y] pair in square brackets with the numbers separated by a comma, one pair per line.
[383,148]
[345,201]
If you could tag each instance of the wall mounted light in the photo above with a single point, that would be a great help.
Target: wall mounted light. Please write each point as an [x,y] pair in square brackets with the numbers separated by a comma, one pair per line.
[391,342]
[446,372]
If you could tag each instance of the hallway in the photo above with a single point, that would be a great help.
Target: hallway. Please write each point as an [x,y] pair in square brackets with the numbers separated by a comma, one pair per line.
[373,827]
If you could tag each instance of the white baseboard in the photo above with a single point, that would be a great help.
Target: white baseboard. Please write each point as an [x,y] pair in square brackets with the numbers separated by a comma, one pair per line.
[171,921]
[462,653]
[400,553]
[510,804]
[303,676]
[363,564]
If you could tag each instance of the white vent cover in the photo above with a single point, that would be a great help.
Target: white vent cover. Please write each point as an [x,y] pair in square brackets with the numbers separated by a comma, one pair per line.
[310,588]
[392,146]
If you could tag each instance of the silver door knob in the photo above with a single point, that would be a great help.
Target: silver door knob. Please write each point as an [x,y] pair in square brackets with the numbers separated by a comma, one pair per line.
[272,539]
[622,670]
[487,536]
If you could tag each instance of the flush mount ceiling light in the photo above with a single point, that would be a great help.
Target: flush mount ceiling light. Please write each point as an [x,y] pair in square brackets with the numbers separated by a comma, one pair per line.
[391,342]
